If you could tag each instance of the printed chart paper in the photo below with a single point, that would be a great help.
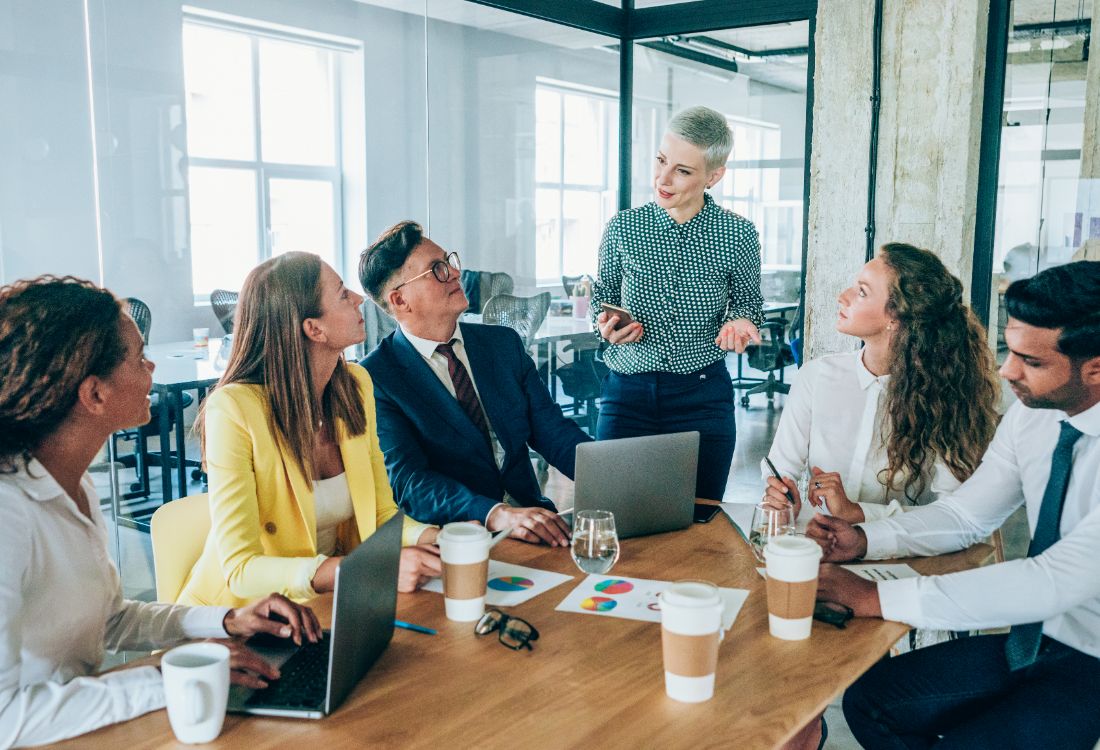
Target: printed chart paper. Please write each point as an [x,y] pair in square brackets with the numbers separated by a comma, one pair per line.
[635,599]
[875,571]
[509,585]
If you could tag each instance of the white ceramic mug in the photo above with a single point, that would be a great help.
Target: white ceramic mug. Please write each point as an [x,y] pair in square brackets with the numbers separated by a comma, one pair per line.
[792,565]
[691,628]
[464,551]
[201,337]
[196,689]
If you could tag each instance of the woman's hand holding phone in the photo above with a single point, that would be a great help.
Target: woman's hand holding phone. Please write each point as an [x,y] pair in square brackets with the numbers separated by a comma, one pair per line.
[617,327]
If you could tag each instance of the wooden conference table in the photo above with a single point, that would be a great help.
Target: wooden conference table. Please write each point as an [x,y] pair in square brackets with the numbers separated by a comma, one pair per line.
[590,681]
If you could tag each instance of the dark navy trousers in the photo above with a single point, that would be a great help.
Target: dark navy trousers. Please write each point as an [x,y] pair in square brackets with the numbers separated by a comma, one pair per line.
[658,403]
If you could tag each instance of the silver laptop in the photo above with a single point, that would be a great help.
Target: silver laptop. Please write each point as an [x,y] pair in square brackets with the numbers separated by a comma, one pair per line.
[317,677]
[647,482]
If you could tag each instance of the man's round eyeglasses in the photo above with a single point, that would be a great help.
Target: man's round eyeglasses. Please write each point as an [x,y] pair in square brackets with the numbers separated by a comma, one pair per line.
[441,269]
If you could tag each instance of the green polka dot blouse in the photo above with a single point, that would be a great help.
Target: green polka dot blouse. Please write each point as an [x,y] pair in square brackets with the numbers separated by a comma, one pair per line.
[682,282]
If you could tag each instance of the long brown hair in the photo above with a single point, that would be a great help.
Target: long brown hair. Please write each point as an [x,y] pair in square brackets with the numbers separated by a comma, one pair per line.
[54,333]
[943,389]
[270,349]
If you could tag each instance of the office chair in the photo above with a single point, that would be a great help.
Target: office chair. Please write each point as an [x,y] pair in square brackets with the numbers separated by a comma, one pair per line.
[522,314]
[499,283]
[224,304]
[569,283]
[178,531]
[142,458]
[582,380]
[771,355]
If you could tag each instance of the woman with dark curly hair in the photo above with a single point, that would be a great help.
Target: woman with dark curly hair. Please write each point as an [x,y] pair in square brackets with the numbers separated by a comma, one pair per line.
[904,419]
[75,372]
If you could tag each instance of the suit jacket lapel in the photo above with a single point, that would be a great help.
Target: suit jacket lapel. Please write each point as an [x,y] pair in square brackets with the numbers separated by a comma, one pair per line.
[302,492]
[357,469]
[431,393]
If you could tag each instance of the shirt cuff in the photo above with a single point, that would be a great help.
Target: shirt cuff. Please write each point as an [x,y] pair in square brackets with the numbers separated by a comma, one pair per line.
[875,511]
[900,600]
[303,586]
[881,542]
[204,622]
[133,692]
[412,532]
[486,521]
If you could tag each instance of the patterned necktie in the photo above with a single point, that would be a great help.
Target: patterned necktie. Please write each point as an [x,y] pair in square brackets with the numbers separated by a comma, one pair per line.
[464,390]
[1022,646]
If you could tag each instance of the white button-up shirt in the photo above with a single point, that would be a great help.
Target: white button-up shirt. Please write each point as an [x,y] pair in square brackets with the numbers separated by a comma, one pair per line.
[834,419]
[426,348]
[61,606]
[1060,587]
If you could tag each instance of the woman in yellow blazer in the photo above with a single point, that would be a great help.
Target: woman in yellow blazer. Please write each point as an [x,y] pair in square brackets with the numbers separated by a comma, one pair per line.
[296,474]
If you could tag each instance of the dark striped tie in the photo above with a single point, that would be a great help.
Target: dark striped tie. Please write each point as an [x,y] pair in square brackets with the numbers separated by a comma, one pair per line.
[464,389]
[1022,646]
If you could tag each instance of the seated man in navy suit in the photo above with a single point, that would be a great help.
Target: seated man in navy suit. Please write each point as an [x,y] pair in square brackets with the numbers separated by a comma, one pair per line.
[458,405]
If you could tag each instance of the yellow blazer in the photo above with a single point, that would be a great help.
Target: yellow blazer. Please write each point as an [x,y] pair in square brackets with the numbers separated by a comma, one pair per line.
[263,535]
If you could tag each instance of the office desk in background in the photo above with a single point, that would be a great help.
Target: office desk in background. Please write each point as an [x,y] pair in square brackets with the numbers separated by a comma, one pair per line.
[590,681]
[180,367]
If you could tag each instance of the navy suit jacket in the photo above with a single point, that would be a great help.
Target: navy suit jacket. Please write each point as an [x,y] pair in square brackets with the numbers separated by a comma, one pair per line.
[439,464]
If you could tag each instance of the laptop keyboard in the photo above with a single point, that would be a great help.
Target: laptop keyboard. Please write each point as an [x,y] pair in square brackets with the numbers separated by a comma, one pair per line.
[303,679]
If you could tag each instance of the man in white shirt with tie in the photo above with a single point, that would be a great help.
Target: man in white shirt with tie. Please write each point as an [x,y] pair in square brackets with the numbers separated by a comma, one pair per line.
[1035,686]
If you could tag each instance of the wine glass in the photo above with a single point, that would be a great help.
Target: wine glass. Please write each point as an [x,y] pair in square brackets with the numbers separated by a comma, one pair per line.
[595,541]
[768,522]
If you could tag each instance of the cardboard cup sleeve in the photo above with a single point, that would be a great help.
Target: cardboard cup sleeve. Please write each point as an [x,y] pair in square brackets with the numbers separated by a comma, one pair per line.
[465,581]
[690,655]
[791,601]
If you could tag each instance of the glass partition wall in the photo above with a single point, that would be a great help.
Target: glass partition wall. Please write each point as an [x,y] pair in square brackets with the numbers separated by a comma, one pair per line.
[163,149]
[1047,194]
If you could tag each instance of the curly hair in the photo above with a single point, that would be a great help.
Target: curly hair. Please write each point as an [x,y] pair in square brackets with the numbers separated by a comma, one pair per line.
[54,333]
[943,389]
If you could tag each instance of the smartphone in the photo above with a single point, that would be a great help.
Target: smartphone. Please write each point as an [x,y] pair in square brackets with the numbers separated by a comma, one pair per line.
[625,318]
[704,512]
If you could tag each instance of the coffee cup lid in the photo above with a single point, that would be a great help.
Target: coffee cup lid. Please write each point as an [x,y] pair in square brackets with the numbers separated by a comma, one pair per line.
[792,546]
[464,532]
[691,594]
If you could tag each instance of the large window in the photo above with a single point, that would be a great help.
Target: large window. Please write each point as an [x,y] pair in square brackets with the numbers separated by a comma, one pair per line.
[263,151]
[576,158]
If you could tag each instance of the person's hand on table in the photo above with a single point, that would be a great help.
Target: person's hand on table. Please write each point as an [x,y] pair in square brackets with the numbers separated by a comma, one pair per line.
[625,335]
[275,615]
[419,565]
[736,335]
[826,489]
[775,497]
[840,541]
[530,525]
[835,584]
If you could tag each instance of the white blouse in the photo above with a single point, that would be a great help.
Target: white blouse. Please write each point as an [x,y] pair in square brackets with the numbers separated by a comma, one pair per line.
[61,607]
[833,419]
[332,504]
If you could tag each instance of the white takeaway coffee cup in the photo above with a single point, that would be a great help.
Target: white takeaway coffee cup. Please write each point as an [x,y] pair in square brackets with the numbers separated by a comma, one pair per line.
[691,627]
[792,564]
[196,689]
[464,551]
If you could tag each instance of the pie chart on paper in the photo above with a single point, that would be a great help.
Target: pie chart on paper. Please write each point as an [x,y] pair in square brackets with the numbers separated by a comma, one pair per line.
[614,586]
[510,583]
[598,604]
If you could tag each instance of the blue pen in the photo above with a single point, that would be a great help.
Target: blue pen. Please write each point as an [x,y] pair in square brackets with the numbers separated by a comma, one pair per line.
[417,628]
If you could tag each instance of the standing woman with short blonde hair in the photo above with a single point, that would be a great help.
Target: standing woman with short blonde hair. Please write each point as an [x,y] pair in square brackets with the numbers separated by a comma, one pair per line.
[688,272]
[290,443]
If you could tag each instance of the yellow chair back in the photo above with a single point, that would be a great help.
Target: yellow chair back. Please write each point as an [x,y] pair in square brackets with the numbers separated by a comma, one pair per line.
[178,530]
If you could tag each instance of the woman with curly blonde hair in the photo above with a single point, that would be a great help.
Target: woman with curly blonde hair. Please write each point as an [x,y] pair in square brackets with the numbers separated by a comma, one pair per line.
[902,420]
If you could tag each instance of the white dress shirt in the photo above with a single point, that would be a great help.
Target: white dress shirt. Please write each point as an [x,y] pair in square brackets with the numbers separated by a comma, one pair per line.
[61,606]
[426,348]
[1060,587]
[834,419]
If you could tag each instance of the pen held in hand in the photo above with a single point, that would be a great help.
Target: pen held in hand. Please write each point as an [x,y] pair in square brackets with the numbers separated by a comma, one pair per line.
[775,473]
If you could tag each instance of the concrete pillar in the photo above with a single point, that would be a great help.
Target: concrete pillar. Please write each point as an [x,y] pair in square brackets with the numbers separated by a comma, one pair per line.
[933,55]
[1088,189]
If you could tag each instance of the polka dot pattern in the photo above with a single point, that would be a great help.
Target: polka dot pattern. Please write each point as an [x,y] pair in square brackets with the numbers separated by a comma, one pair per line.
[682,282]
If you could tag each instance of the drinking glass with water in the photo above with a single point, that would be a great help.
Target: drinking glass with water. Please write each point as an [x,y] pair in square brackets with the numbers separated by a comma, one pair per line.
[595,541]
